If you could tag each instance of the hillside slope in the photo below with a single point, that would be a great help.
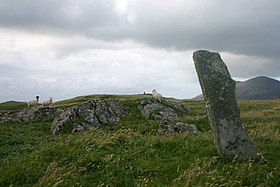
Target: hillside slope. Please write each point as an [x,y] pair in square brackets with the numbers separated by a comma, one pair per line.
[258,88]
[12,106]
[132,153]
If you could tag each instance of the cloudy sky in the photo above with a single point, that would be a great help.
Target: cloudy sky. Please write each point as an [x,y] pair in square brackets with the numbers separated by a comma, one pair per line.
[68,48]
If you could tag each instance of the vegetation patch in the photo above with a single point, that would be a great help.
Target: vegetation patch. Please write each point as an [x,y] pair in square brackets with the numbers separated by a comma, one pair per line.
[133,154]
[11,106]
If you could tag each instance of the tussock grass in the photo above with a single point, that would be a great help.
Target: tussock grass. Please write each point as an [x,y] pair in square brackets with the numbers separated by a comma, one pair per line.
[133,154]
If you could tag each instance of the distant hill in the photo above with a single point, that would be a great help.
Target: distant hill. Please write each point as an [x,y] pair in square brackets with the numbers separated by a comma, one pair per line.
[258,88]
[12,106]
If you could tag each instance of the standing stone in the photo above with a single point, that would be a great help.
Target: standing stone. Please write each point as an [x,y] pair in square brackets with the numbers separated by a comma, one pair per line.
[223,112]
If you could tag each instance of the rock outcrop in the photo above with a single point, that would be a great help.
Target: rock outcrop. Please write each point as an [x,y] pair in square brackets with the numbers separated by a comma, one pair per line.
[223,112]
[90,115]
[170,127]
[29,114]
[165,110]
[168,113]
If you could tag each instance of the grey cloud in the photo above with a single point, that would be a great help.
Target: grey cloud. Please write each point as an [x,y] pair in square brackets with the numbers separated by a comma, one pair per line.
[246,27]
[234,26]
[247,68]
[57,15]
[24,84]
[14,82]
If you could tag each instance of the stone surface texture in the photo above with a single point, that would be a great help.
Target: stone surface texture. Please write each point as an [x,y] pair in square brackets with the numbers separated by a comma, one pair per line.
[223,112]
[90,115]
[171,127]
[29,114]
[164,110]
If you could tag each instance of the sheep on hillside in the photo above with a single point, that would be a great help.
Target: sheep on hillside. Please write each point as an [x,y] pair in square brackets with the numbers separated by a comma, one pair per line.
[48,102]
[157,96]
[33,102]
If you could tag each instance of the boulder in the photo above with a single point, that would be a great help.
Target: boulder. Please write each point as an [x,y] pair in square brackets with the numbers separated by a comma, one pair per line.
[165,110]
[90,115]
[78,128]
[223,112]
[170,127]
[29,114]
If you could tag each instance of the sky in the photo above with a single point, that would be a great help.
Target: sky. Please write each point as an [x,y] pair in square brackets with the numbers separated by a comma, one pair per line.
[69,48]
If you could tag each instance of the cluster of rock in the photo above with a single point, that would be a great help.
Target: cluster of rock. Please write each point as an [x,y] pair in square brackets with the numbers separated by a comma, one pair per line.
[169,113]
[95,113]
[28,114]
[165,110]
[90,115]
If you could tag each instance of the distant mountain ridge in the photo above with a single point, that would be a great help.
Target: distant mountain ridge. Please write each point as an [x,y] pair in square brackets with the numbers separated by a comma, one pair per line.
[258,88]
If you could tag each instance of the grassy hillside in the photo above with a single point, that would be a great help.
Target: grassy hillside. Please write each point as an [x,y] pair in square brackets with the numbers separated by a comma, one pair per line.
[12,106]
[132,154]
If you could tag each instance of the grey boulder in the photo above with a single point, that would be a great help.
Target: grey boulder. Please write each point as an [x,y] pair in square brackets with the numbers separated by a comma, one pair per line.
[90,115]
[165,110]
[29,114]
[169,127]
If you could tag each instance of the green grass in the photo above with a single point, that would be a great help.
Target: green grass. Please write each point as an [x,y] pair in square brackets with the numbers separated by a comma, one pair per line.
[10,106]
[133,154]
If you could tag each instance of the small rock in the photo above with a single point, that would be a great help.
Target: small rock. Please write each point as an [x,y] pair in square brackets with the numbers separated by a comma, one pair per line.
[78,128]
[184,127]
[169,127]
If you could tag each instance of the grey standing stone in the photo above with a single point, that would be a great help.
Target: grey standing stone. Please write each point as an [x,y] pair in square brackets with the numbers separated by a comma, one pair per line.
[223,112]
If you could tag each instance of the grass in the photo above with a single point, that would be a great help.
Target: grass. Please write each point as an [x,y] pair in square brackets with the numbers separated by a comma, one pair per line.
[12,106]
[133,154]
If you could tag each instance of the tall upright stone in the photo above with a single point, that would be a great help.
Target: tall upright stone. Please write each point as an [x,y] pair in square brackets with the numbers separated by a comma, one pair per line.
[223,112]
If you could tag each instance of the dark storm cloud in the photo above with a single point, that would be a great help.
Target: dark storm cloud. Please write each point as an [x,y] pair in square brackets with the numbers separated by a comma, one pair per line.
[246,27]
[242,27]
[52,14]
